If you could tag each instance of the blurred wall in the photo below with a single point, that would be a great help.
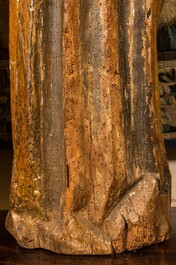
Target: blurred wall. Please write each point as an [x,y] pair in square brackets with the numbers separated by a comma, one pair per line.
[171,155]
[4,23]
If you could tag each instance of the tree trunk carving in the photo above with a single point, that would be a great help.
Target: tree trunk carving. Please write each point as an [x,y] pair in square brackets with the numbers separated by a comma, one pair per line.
[90,174]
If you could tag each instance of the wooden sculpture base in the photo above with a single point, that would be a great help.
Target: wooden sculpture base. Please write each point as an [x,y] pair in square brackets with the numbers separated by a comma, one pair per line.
[136,221]
[90,174]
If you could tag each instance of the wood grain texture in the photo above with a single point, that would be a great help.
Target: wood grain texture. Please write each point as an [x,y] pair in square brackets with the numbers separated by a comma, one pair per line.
[12,253]
[90,174]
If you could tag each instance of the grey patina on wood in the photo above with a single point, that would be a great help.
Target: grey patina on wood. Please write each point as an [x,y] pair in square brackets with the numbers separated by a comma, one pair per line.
[90,174]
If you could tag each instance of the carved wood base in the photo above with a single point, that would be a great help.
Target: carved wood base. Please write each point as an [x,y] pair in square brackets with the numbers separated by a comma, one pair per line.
[90,174]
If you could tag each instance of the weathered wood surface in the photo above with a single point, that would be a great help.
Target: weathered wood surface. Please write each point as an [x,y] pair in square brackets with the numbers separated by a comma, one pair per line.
[90,174]
[161,254]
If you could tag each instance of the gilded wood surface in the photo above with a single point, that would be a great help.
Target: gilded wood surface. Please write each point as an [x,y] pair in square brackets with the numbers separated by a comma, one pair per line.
[89,174]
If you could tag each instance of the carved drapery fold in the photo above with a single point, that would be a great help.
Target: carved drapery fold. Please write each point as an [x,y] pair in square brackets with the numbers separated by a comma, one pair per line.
[90,174]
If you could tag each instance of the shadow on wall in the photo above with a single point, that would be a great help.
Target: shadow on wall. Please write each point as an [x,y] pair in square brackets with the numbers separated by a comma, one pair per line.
[5,177]
[4,24]
[4,29]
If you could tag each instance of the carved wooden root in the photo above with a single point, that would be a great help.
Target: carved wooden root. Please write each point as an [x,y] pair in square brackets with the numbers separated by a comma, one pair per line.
[90,174]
